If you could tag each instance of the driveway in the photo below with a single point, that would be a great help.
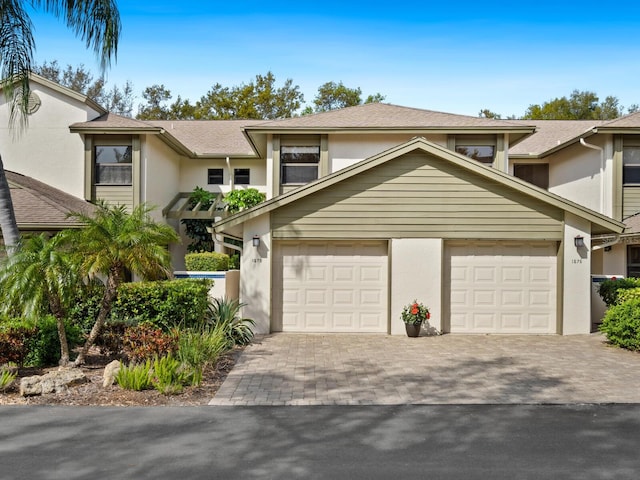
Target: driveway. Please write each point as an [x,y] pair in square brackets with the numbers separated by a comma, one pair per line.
[344,369]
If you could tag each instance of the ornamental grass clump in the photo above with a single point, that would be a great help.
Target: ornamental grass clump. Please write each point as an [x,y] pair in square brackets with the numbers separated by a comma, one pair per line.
[136,376]
[415,313]
[7,376]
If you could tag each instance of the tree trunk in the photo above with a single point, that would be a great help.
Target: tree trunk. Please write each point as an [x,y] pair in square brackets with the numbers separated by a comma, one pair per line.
[58,312]
[8,224]
[110,292]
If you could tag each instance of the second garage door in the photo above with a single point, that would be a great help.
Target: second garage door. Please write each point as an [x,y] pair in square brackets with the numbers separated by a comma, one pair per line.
[331,286]
[501,287]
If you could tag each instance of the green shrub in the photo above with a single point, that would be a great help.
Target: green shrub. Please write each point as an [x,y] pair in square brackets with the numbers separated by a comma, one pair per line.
[136,376]
[111,338]
[225,313]
[16,336]
[6,377]
[145,341]
[166,304]
[169,375]
[610,289]
[206,262]
[628,294]
[234,262]
[200,347]
[621,324]
[86,306]
[44,347]
[237,200]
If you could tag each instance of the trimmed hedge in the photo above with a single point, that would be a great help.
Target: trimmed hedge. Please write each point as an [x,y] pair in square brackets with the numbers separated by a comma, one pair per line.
[166,304]
[621,324]
[610,289]
[206,262]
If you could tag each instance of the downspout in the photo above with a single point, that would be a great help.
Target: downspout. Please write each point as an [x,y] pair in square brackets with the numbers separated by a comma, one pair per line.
[601,150]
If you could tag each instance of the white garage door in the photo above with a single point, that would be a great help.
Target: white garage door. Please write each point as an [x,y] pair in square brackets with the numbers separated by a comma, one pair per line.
[502,287]
[331,286]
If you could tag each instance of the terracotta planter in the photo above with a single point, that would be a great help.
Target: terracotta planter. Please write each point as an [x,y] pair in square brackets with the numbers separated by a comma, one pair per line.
[413,329]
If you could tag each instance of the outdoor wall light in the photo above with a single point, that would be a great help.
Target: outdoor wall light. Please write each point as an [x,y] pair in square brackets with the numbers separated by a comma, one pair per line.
[256,241]
[578,241]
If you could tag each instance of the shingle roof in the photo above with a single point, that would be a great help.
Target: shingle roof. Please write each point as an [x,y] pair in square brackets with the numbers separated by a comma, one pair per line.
[384,115]
[551,134]
[40,206]
[210,137]
[112,121]
[628,121]
[197,137]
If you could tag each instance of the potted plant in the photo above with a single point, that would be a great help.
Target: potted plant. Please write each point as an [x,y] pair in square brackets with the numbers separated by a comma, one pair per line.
[413,316]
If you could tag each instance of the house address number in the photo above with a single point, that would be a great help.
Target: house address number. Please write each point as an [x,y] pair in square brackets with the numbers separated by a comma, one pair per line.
[256,260]
[576,260]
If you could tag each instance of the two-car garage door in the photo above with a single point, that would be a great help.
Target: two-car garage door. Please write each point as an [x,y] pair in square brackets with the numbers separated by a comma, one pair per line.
[342,286]
[331,286]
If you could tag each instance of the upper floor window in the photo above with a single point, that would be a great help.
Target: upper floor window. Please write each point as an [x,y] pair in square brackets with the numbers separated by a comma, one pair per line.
[113,164]
[299,165]
[215,176]
[536,173]
[631,165]
[482,153]
[241,176]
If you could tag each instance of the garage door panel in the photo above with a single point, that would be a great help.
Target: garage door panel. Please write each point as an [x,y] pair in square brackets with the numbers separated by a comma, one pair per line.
[333,286]
[344,273]
[512,274]
[512,298]
[498,287]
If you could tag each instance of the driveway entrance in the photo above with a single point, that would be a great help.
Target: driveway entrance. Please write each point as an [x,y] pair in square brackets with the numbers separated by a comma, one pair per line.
[344,369]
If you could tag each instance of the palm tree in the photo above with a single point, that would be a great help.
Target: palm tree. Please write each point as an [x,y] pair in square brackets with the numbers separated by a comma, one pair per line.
[113,242]
[38,279]
[97,22]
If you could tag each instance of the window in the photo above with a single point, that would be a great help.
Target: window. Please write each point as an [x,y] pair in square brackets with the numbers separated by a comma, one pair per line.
[241,176]
[633,261]
[631,166]
[113,164]
[536,173]
[482,153]
[299,165]
[215,176]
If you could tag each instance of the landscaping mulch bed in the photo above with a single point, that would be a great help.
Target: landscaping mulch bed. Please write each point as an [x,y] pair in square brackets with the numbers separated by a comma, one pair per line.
[92,393]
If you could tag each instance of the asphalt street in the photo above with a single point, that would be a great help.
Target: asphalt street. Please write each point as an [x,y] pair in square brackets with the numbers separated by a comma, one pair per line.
[317,442]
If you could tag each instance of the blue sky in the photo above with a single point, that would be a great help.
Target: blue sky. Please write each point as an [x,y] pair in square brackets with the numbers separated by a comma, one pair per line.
[456,57]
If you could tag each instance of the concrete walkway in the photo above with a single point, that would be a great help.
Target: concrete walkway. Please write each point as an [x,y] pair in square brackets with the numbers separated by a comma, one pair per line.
[343,369]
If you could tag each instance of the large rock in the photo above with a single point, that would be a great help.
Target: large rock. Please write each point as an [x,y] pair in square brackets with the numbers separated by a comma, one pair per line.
[56,381]
[110,373]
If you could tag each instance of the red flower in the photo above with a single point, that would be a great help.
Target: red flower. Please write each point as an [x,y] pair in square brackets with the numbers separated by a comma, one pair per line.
[414,310]
[428,315]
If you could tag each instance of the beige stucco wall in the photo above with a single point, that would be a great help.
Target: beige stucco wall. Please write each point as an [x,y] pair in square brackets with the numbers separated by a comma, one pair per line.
[574,173]
[47,151]
[160,173]
[193,173]
[416,274]
[255,278]
[345,150]
[614,262]
[576,268]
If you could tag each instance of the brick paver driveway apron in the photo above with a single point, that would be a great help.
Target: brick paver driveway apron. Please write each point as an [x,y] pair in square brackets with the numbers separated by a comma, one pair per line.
[345,369]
